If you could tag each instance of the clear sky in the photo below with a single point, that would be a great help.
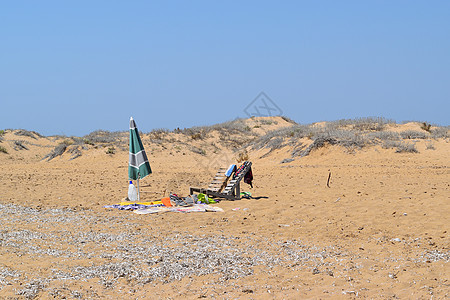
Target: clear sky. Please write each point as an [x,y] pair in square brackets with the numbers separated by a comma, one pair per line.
[72,67]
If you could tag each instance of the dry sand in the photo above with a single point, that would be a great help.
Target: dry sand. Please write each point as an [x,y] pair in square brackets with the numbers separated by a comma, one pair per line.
[379,231]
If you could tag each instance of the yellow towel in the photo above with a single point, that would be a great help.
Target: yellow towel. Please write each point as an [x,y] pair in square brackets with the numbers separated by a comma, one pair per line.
[142,203]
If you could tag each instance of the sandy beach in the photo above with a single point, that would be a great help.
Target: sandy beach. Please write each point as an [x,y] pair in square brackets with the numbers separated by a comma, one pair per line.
[378,229]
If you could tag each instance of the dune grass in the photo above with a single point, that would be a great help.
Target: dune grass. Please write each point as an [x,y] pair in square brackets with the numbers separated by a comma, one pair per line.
[349,133]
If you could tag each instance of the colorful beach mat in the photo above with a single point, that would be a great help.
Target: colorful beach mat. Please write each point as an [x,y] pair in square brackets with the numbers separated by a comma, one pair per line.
[183,209]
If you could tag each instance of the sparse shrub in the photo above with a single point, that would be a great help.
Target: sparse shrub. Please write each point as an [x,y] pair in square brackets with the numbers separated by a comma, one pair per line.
[103,137]
[227,128]
[414,134]
[31,134]
[198,151]
[235,126]
[402,147]
[257,126]
[196,133]
[231,134]
[59,150]
[2,132]
[363,124]
[68,142]
[430,146]
[390,144]
[288,120]
[158,133]
[406,147]
[3,150]
[275,143]
[287,160]
[267,122]
[18,145]
[440,132]
[293,132]
[88,142]
[298,150]
[262,141]
[369,126]
[111,150]
[75,151]
[344,138]
[425,126]
[318,143]
[383,136]
[196,136]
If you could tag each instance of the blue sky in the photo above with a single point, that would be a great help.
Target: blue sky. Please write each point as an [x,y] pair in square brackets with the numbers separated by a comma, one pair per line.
[74,67]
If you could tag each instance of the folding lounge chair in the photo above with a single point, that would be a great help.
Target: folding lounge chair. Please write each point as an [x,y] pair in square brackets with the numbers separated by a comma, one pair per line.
[232,190]
[217,184]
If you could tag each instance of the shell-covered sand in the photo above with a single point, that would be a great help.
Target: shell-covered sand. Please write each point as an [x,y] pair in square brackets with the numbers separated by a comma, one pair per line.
[379,230]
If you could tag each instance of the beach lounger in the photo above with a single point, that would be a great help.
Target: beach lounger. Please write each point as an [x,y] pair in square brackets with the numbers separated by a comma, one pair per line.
[217,184]
[226,187]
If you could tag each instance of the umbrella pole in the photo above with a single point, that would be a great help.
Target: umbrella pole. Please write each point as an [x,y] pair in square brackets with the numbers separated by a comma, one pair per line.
[139,192]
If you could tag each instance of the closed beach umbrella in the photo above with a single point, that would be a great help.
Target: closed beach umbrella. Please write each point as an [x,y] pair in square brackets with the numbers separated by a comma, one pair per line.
[138,166]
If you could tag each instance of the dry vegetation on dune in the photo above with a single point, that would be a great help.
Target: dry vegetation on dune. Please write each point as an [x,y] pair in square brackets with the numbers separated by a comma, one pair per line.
[351,134]
[241,134]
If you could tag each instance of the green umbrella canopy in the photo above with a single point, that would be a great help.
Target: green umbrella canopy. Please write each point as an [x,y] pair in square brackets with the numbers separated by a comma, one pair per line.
[138,166]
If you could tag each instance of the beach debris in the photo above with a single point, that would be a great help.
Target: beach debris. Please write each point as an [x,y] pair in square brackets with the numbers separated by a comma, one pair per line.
[436,255]
[339,198]
[350,293]
[393,275]
[329,177]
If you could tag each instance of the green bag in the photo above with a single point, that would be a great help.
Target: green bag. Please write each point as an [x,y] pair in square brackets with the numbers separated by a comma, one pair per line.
[204,199]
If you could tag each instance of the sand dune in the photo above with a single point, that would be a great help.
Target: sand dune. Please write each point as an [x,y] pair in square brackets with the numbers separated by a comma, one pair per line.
[379,230]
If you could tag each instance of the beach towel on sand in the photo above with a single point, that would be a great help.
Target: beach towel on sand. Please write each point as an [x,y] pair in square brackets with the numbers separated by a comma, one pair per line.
[185,209]
[151,210]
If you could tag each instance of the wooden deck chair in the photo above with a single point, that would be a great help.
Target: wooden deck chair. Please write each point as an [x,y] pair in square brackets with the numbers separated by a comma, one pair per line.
[217,184]
[232,190]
